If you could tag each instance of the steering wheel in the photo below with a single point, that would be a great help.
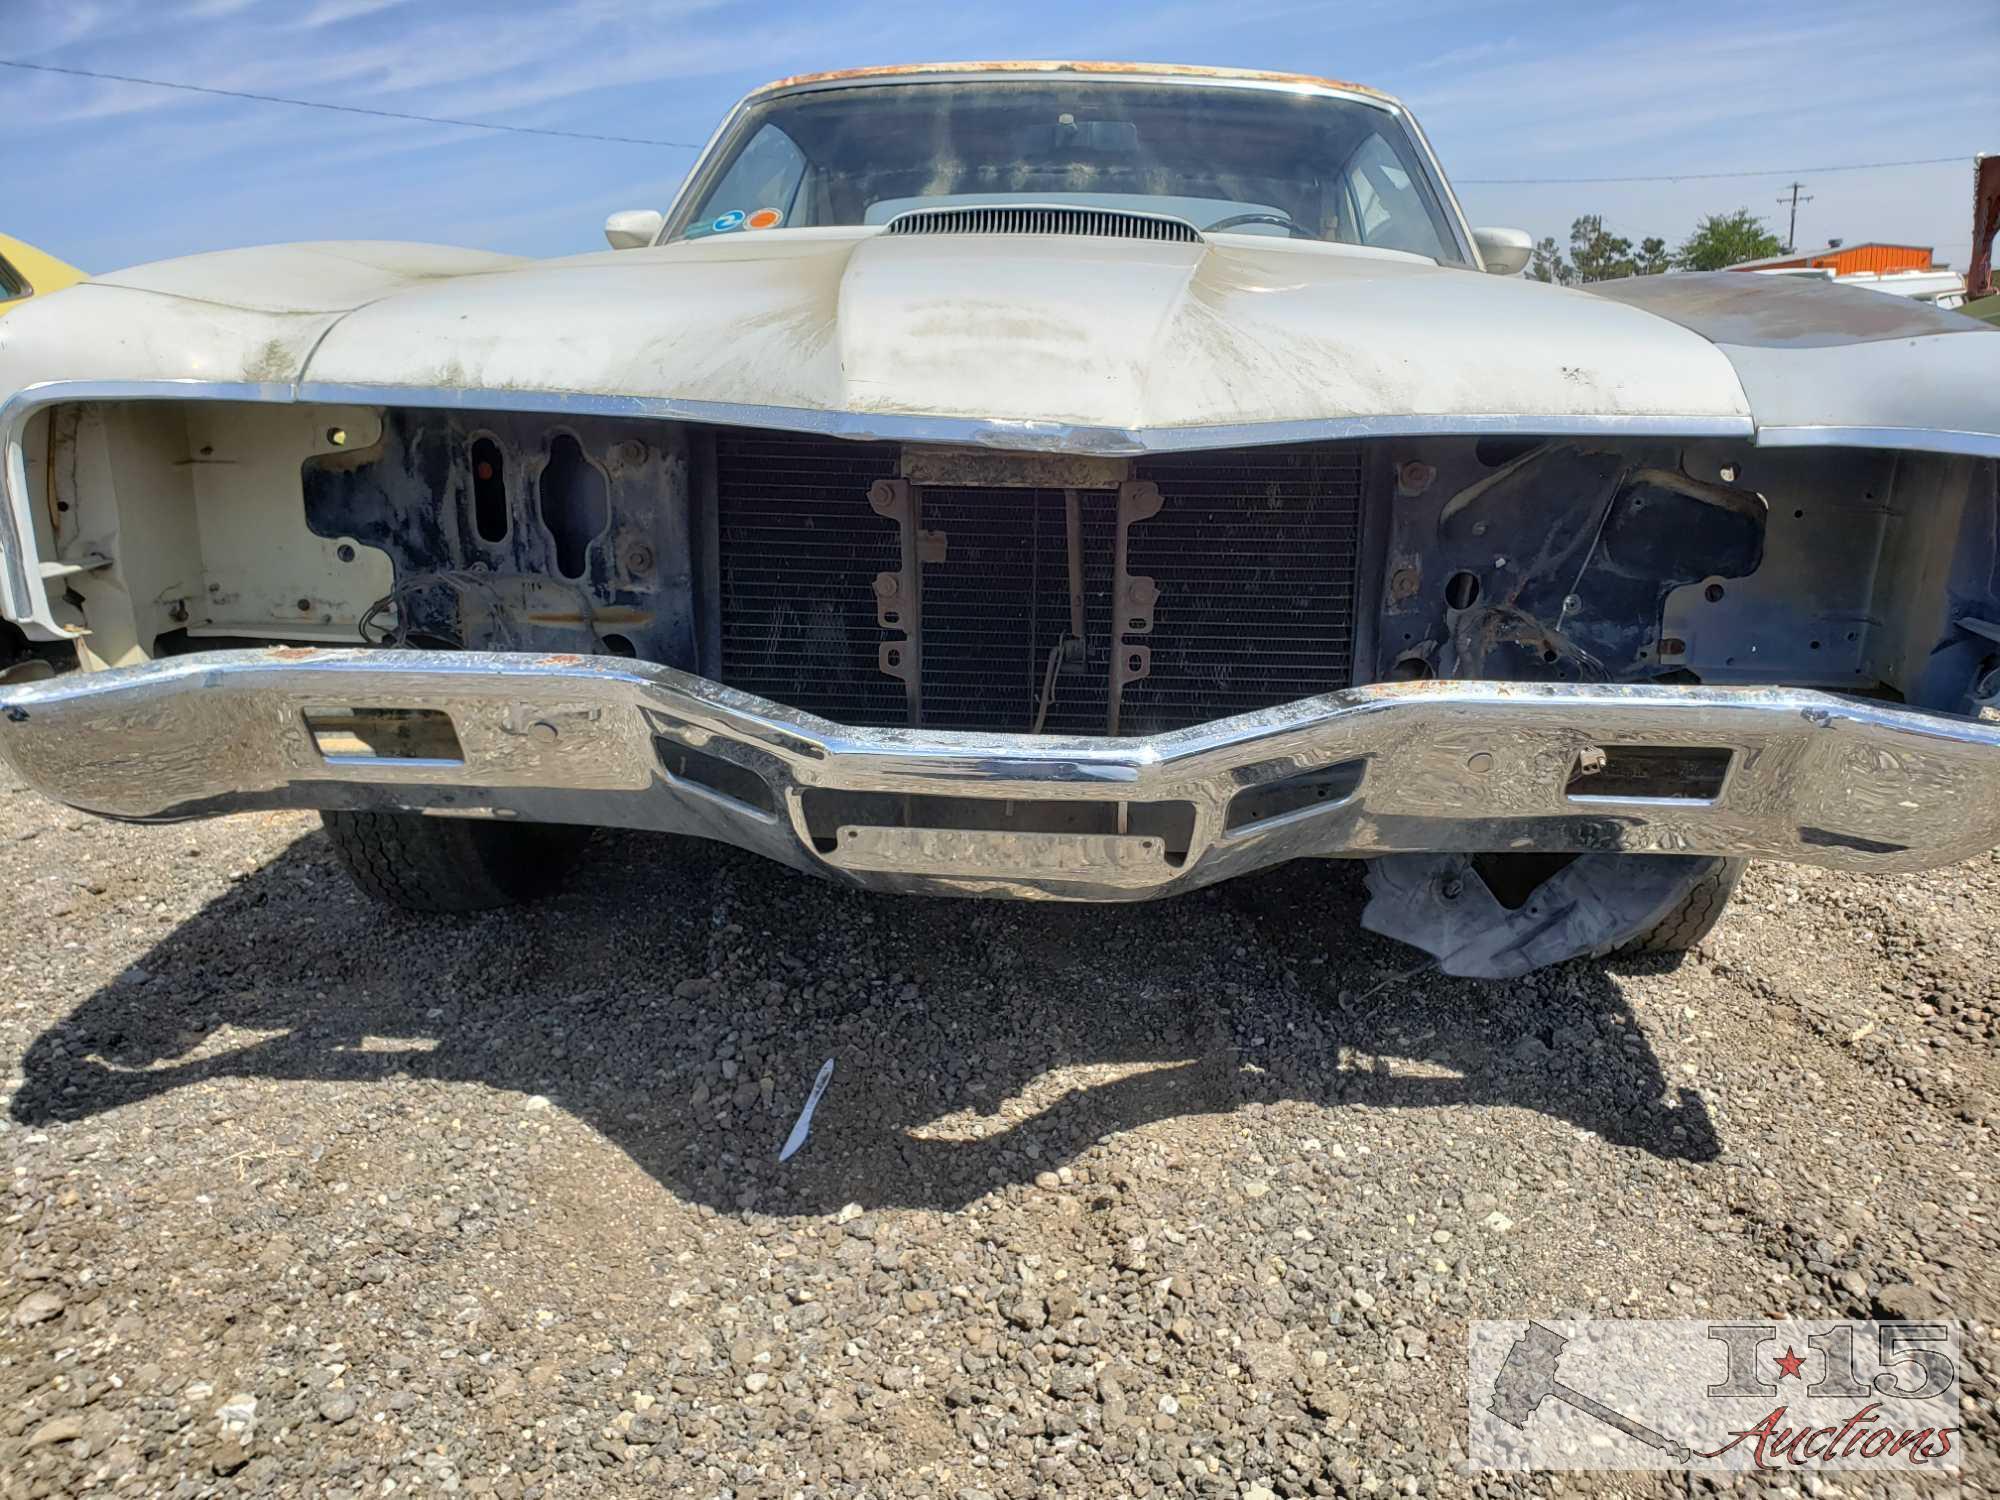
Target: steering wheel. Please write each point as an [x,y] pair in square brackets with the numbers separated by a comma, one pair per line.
[1234,220]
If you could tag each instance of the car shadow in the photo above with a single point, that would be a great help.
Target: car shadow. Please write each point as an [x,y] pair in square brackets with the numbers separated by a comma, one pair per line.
[680,996]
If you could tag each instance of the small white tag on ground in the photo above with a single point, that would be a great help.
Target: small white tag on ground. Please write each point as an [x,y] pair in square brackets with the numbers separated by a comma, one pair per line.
[798,1136]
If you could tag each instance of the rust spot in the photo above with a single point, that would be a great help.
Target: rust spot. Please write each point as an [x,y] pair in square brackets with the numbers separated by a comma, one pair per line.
[565,659]
[293,653]
[608,616]
[1113,69]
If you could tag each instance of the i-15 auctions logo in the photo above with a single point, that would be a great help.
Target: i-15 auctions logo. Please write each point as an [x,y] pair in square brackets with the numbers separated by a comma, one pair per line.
[1647,1394]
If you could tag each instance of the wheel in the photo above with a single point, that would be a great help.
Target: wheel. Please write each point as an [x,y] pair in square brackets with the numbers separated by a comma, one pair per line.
[452,864]
[1695,917]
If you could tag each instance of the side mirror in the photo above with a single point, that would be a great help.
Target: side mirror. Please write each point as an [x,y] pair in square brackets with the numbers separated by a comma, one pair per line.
[1506,252]
[634,228]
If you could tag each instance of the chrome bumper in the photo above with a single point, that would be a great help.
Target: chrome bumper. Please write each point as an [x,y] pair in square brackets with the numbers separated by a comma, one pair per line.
[1444,766]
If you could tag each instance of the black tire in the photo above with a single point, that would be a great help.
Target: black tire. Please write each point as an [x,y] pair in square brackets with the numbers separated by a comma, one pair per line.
[1696,916]
[452,864]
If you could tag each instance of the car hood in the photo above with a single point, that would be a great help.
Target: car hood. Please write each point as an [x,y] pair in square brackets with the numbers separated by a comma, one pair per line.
[1040,339]
[1077,332]
[1093,333]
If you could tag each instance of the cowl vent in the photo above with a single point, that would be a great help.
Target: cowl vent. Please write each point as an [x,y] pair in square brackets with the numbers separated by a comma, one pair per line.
[1104,223]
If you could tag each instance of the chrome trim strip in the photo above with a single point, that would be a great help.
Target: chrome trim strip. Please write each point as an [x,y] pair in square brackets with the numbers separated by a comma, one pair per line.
[1450,766]
[1920,439]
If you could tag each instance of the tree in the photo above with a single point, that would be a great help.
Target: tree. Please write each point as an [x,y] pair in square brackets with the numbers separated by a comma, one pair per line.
[1548,264]
[1596,253]
[1654,257]
[1724,240]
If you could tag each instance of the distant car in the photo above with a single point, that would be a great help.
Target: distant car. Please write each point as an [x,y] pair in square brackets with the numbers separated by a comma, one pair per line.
[1043,480]
[27,272]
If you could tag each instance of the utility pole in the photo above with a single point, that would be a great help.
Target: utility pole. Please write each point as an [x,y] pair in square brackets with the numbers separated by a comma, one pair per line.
[1792,236]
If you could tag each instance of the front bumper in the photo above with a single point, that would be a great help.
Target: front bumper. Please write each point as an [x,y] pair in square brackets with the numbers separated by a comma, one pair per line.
[1435,766]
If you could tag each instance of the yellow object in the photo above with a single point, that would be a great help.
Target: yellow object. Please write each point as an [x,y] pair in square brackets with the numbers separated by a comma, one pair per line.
[26,272]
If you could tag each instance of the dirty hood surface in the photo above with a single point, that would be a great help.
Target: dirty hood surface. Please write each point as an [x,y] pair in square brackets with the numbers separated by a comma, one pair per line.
[1095,333]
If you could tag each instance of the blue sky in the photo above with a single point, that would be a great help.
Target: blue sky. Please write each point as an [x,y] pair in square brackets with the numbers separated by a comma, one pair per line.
[108,174]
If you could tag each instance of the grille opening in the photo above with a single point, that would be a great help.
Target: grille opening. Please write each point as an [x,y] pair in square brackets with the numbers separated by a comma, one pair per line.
[1323,786]
[1254,553]
[828,812]
[575,504]
[712,773]
[798,551]
[1680,773]
[350,735]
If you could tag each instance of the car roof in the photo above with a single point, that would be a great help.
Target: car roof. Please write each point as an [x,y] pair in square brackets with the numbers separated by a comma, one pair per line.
[1093,69]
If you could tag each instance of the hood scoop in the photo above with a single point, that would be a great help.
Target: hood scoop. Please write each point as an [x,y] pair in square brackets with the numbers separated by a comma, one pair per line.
[1044,218]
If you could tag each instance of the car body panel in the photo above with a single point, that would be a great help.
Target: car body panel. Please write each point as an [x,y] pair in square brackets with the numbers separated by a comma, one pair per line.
[1822,362]
[39,272]
[1105,334]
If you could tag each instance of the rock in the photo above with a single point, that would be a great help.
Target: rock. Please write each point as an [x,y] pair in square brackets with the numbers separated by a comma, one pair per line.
[1028,1311]
[39,1307]
[1908,1301]
[1328,1403]
[1269,1364]
[1497,1222]
[535,1103]
[339,1407]
[229,1455]
[756,1381]
[56,1430]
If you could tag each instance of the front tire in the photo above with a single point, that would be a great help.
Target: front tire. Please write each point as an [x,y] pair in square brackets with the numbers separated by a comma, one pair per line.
[452,864]
[1691,921]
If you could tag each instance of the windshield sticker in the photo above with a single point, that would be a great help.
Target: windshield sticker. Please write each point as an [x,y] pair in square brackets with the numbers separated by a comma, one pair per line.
[726,222]
[766,218]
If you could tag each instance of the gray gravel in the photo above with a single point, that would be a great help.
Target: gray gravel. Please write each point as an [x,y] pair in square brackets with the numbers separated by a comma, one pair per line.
[311,1198]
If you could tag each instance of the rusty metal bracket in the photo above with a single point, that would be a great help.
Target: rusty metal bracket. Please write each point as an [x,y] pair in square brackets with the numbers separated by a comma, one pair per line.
[898,595]
[1132,598]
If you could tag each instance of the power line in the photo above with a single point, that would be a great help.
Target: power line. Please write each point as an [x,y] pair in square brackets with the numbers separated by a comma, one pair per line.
[345,109]
[1855,166]
[633,140]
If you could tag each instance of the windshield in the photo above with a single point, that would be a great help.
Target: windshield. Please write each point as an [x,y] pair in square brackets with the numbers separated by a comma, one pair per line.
[1253,161]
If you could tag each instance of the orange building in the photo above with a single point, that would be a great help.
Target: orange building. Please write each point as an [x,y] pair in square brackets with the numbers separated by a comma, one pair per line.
[1847,260]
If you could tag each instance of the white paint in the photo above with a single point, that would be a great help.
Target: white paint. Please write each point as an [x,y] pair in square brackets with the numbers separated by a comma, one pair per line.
[1096,332]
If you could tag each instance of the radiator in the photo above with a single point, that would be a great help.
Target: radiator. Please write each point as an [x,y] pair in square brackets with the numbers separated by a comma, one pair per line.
[1254,553]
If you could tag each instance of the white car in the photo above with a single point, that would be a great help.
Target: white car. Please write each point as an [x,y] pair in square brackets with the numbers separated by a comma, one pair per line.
[1037,480]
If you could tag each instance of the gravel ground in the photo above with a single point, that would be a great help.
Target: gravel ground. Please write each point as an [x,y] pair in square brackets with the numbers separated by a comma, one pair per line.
[311,1198]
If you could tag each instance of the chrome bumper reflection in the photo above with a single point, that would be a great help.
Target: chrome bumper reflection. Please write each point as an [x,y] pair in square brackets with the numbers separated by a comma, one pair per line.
[1434,766]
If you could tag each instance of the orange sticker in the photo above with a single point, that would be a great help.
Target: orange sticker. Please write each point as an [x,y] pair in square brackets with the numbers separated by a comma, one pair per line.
[765,218]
